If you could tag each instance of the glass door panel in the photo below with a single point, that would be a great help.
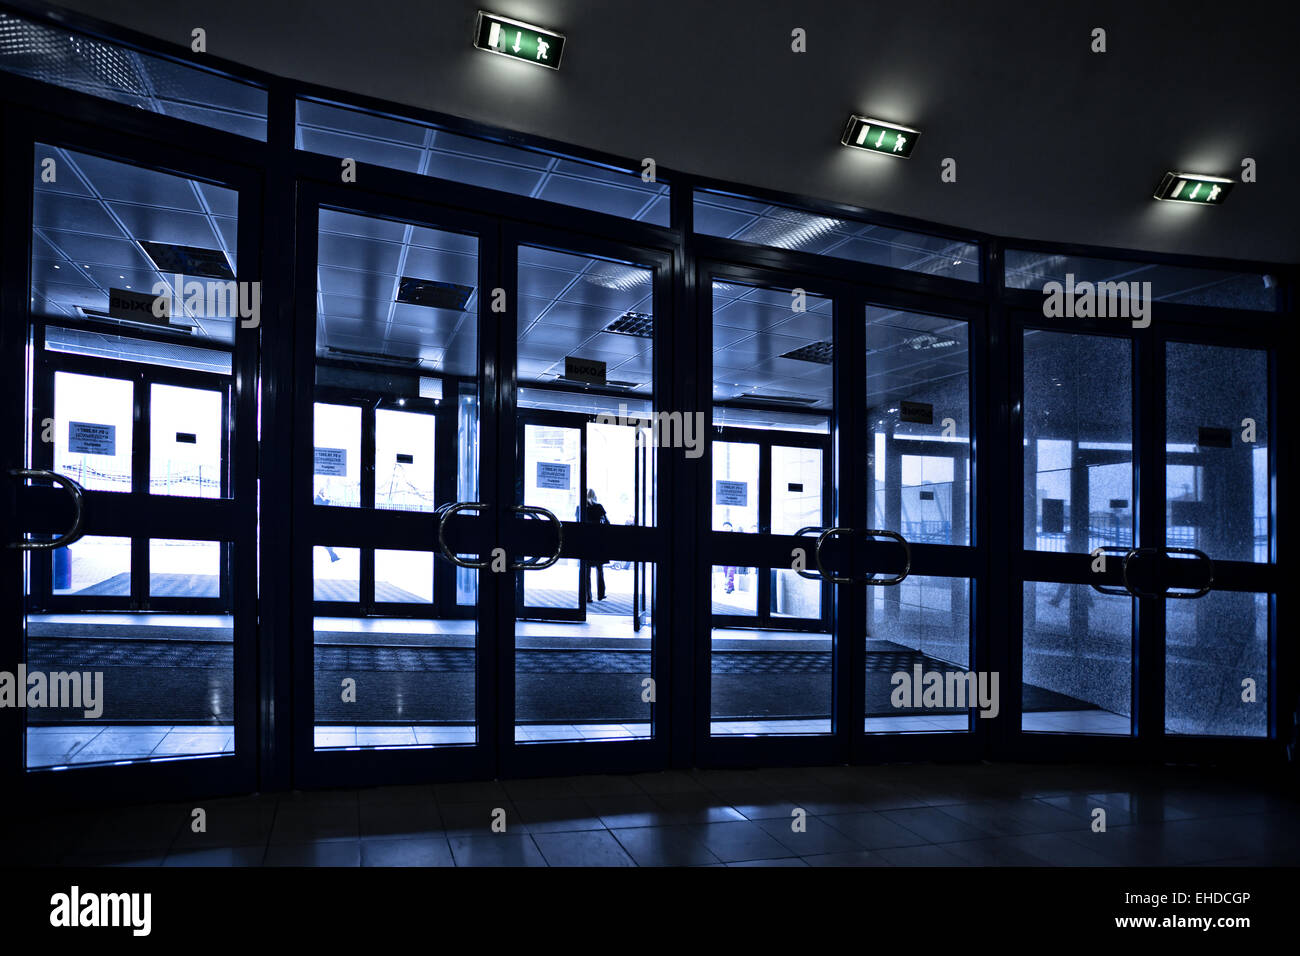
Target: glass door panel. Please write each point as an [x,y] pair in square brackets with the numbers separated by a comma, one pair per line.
[395,416]
[586,445]
[1078,644]
[771,662]
[136,623]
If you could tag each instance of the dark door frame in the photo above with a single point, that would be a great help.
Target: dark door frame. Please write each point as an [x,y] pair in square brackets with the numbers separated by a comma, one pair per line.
[232,520]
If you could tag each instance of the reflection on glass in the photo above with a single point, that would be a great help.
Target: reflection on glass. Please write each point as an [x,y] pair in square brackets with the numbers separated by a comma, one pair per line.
[404,460]
[185,441]
[1078,442]
[182,568]
[588,679]
[337,455]
[336,573]
[918,412]
[1216,453]
[93,566]
[1216,665]
[93,417]
[404,577]
[735,486]
[1078,660]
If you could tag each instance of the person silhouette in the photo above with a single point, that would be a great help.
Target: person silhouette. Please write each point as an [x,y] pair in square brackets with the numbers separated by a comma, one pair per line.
[594,513]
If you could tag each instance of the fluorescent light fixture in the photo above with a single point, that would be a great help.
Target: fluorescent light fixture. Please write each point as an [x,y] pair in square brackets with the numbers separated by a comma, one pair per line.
[1193,188]
[877,136]
[518,40]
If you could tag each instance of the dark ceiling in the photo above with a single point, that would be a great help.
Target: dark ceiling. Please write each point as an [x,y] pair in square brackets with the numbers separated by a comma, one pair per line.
[1052,141]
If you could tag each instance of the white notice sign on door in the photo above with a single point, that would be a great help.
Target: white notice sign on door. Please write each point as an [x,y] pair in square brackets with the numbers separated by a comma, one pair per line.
[87,438]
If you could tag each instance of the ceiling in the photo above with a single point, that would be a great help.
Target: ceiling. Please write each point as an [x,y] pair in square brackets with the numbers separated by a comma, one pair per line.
[1052,141]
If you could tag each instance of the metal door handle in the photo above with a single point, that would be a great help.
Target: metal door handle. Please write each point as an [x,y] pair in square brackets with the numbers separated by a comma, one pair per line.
[817,556]
[1209,583]
[74,491]
[1124,591]
[907,555]
[445,512]
[804,572]
[539,564]
[1134,552]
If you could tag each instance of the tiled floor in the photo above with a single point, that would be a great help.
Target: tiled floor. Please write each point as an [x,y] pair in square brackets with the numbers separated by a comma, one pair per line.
[897,815]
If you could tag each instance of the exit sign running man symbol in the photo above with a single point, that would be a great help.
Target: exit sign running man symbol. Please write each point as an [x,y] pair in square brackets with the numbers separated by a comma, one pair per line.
[519,41]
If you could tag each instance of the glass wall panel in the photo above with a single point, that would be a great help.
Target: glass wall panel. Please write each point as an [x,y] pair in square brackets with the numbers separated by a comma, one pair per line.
[420,148]
[1184,285]
[769,224]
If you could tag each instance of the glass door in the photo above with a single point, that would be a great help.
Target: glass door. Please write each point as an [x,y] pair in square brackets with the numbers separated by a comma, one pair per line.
[1148,526]
[393,534]
[771,671]
[129,452]
[583,675]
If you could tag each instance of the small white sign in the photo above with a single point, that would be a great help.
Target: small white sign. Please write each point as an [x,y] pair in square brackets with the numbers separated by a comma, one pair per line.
[552,475]
[332,462]
[732,493]
[86,438]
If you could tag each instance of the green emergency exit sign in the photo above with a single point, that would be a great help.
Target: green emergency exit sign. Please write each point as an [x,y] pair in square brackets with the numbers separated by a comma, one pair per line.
[1193,188]
[519,41]
[880,137]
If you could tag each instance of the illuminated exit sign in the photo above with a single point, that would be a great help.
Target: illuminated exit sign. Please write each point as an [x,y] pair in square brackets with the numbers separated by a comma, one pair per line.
[519,41]
[879,137]
[1193,188]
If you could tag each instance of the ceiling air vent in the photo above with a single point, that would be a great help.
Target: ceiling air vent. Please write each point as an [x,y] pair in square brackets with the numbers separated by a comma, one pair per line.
[633,323]
[434,295]
[374,357]
[775,399]
[189,260]
[822,353]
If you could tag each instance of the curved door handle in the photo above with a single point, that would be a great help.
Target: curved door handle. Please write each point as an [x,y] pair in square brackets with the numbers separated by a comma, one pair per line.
[804,572]
[1209,583]
[1124,591]
[74,491]
[538,564]
[817,556]
[445,512]
[907,556]
[1136,552]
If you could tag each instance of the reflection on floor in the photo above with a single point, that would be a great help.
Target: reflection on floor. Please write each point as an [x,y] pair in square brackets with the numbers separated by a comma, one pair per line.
[87,743]
[913,814]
